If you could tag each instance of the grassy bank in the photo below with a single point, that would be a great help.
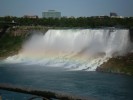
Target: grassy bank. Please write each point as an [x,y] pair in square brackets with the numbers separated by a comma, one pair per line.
[11,42]
[10,45]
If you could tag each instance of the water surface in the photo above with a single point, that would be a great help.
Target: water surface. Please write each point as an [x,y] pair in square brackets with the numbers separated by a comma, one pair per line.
[102,86]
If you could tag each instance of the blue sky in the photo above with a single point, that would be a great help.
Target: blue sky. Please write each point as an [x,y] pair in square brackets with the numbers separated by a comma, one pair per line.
[75,8]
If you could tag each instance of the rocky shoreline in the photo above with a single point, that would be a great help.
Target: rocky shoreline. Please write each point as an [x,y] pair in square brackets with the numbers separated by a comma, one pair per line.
[119,65]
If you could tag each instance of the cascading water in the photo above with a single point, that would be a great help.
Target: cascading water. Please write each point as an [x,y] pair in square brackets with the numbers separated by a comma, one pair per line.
[74,49]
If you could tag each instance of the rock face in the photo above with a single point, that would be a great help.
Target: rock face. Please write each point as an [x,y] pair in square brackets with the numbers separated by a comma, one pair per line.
[26,30]
[120,65]
[131,34]
[12,39]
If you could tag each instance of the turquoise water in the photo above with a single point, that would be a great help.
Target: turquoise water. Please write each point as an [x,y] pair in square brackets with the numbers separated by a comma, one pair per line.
[102,86]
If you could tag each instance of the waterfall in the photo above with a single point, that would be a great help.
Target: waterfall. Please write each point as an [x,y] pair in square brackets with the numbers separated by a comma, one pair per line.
[73,49]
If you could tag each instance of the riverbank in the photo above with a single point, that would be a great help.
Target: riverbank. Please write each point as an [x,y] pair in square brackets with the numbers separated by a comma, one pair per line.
[10,45]
[119,65]
[12,40]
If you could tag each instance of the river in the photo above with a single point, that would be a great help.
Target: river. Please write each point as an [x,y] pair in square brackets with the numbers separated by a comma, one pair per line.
[102,86]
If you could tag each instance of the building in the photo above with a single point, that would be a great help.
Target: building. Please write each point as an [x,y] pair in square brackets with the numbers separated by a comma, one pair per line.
[51,14]
[28,16]
[112,14]
[104,16]
[115,15]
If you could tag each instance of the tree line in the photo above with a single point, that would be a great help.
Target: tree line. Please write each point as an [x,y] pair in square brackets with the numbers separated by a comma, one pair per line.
[85,22]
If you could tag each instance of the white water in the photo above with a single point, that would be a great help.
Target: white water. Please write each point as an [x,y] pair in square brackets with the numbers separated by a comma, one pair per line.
[74,49]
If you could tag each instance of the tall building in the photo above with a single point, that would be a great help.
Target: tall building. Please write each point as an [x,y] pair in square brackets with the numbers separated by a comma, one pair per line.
[51,14]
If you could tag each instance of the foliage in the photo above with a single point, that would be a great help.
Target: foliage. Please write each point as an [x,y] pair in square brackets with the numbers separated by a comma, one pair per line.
[10,45]
[86,22]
